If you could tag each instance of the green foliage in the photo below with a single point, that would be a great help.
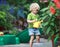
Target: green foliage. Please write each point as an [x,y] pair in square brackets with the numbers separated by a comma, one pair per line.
[50,24]
[44,9]
[6,20]
[15,2]
[35,0]
[57,37]
[48,30]
[2,15]
[14,31]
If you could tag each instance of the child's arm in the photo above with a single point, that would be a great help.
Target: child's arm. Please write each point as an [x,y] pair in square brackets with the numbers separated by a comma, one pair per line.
[31,21]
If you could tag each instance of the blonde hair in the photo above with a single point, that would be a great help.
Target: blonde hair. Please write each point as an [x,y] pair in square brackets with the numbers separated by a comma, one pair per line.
[34,5]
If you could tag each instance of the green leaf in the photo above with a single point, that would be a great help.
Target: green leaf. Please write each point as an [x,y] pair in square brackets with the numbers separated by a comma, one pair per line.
[57,30]
[52,24]
[50,14]
[48,30]
[2,14]
[35,0]
[57,36]
[27,6]
[43,14]
[49,38]
[44,17]
[53,19]
[50,35]
[46,24]
[44,9]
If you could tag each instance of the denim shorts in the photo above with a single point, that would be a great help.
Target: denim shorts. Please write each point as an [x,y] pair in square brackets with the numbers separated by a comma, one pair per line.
[33,31]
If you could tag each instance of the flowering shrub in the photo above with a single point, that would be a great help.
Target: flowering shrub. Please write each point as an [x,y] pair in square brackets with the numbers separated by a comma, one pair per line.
[51,18]
[57,3]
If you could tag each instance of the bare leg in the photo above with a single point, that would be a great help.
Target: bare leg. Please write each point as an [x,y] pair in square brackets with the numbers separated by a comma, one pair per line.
[31,40]
[38,39]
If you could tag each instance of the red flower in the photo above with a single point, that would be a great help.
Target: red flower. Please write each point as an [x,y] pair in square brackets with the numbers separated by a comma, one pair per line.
[52,10]
[56,1]
[58,5]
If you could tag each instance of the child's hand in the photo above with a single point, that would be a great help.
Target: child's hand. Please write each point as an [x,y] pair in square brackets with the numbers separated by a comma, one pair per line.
[41,21]
[35,20]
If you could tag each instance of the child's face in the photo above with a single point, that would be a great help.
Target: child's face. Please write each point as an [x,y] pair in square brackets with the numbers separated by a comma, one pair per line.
[35,11]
